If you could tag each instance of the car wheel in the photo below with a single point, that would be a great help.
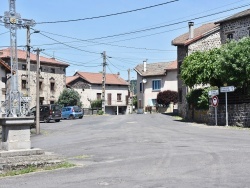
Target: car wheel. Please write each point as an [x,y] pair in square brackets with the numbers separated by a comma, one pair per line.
[57,120]
[71,117]
[46,119]
[80,117]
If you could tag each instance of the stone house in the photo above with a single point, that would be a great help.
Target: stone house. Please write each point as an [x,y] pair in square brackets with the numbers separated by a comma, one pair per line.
[52,76]
[235,27]
[202,38]
[4,70]
[89,86]
[153,78]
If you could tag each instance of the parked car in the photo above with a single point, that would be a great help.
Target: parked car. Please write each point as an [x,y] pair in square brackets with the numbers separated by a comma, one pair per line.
[72,112]
[48,112]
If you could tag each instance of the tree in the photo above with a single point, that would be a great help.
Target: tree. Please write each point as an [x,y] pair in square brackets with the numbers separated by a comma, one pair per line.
[199,68]
[226,65]
[164,98]
[69,97]
[235,63]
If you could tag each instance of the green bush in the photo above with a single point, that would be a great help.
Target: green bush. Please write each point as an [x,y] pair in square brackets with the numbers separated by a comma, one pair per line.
[100,112]
[198,98]
[96,104]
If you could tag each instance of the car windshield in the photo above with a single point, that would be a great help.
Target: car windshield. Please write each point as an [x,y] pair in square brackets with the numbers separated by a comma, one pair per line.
[55,107]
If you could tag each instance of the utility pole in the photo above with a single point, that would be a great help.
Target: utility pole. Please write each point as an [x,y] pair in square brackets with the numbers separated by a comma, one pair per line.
[28,64]
[37,90]
[103,80]
[129,93]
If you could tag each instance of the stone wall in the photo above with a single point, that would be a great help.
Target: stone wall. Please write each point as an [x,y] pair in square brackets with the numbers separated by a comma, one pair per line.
[206,43]
[238,115]
[238,27]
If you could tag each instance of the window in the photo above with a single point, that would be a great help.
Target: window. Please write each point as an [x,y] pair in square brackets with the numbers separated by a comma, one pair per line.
[119,97]
[230,36]
[52,102]
[141,85]
[24,67]
[98,96]
[52,86]
[24,84]
[53,70]
[40,85]
[156,85]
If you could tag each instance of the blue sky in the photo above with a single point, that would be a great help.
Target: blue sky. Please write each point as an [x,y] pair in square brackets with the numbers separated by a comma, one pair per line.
[125,51]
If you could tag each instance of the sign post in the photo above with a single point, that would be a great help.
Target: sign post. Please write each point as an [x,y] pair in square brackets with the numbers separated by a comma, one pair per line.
[215,102]
[225,90]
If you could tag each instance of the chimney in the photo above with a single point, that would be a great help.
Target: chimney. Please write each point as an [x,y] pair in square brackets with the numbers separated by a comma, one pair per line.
[118,73]
[191,30]
[144,65]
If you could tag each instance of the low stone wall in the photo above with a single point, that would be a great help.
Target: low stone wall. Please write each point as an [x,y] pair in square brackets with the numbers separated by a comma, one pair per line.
[238,115]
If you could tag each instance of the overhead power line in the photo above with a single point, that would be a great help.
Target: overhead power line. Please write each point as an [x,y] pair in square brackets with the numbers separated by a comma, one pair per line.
[108,15]
[162,26]
[102,43]
[69,45]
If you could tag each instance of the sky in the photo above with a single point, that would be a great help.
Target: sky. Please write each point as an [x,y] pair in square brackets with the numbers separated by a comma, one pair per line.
[128,39]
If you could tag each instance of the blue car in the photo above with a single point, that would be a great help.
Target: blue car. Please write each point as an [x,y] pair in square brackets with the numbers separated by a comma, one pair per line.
[72,112]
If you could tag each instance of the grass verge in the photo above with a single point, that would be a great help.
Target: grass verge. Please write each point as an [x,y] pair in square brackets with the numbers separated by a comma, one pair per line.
[33,168]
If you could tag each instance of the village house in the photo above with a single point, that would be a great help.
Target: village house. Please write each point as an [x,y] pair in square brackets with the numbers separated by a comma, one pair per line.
[52,77]
[4,70]
[235,27]
[153,78]
[206,37]
[202,38]
[89,87]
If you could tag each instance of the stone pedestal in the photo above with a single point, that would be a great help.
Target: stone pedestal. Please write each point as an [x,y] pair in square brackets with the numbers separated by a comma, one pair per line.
[16,133]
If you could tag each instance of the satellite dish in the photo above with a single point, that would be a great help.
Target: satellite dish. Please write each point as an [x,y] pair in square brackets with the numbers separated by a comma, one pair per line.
[144,80]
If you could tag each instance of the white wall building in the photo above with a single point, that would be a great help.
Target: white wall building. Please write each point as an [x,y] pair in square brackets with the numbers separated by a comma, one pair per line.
[89,86]
[153,78]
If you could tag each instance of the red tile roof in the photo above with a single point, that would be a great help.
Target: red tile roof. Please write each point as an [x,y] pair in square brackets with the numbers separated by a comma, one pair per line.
[5,53]
[96,78]
[199,33]
[70,79]
[7,67]
[156,69]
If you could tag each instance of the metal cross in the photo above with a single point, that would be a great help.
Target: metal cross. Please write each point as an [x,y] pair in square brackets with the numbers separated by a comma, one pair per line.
[13,105]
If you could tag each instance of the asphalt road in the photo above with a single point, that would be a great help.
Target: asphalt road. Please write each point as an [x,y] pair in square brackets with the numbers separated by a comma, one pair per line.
[140,151]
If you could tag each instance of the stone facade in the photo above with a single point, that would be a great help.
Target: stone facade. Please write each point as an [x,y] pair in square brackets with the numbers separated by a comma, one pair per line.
[212,40]
[238,115]
[239,28]
[52,81]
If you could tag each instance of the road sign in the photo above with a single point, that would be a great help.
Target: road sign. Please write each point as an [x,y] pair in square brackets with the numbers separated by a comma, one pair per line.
[227,89]
[25,99]
[213,92]
[215,101]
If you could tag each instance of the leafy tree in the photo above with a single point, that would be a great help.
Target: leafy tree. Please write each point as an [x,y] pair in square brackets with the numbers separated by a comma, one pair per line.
[96,103]
[164,98]
[69,97]
[235,63]
[198,98]
[228,65]
[199,68]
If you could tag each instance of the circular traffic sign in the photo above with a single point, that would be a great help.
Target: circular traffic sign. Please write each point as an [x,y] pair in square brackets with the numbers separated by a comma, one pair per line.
[215,101]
